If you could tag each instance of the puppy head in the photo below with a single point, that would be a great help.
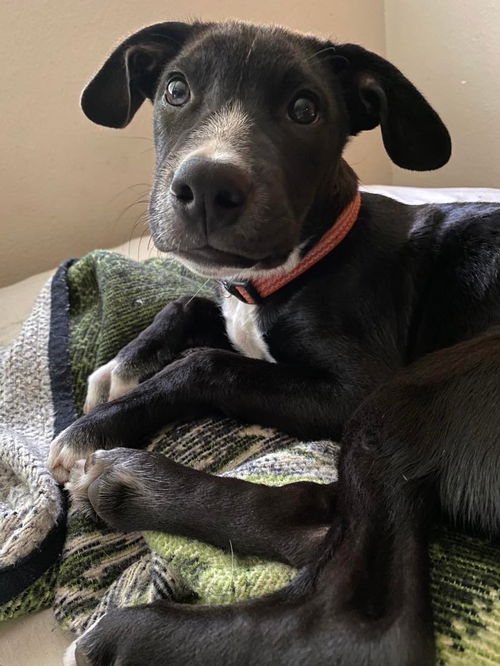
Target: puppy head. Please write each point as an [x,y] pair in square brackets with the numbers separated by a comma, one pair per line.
[249,126]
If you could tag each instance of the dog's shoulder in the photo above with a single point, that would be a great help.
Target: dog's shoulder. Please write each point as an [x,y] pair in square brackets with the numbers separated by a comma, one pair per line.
[383,210]
[439,229]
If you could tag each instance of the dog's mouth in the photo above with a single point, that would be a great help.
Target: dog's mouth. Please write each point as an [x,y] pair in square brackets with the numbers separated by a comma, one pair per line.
[212,257]
[212,262]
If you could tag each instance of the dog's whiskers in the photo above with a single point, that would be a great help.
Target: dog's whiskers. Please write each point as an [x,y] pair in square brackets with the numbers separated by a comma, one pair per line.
[141,216]
[232,567]
[131,187]
[198,290]
[141,220]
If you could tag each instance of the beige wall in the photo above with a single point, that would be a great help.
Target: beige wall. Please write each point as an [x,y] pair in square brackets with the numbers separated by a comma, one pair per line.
[451,51]
[66,183]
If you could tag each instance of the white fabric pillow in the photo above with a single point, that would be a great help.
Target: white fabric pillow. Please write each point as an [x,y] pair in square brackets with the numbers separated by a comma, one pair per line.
[422,195]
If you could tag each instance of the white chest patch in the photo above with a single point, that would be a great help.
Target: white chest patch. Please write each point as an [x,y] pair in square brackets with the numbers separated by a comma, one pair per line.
[243,329]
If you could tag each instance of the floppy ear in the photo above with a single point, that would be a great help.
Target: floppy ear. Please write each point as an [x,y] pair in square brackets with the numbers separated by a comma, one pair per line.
[377,93]
[131,72]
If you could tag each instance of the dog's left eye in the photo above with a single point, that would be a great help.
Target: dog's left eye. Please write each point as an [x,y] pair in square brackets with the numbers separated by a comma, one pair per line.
[177,92]
[303,109]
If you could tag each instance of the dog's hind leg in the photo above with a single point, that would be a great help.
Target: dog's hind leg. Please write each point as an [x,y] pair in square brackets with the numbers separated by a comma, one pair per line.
[363,601]
[438,426]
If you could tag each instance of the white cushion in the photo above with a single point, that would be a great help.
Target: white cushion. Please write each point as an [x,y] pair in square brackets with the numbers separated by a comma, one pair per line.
[422,195]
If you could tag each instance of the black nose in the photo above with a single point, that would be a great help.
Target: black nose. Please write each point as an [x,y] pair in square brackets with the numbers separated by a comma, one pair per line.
[210,193]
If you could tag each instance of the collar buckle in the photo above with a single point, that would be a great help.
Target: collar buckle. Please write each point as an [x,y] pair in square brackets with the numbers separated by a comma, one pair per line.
[240,288]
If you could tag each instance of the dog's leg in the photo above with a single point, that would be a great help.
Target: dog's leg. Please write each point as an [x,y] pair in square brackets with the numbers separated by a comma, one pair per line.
[295,627]
[182,324]
[366,604]
[426,441]
[296,399]
[364,600]
[139,490]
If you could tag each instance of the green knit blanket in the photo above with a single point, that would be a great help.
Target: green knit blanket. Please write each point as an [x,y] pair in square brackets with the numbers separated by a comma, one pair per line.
[110,299]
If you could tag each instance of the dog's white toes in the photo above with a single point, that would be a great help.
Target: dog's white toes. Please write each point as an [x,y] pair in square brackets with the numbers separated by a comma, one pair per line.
[120,386]
[61,457]
[98,386]
[69,658]
[76,483]
[106,383]
[84,472]
[55,449]
[60,474]
[63,454]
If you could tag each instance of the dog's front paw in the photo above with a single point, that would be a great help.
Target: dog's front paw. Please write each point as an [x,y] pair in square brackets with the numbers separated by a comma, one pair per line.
[71,658]
[78,441]
[69,446]
[116,638]
[109,382]
[101,484]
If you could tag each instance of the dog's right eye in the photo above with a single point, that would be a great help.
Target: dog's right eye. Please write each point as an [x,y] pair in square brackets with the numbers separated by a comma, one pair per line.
[177,92]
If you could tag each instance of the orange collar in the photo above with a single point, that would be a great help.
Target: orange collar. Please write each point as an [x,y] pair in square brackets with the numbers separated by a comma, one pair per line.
[255,291]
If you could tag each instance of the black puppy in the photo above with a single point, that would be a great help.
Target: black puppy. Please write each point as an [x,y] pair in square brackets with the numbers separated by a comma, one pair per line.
[375,324]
